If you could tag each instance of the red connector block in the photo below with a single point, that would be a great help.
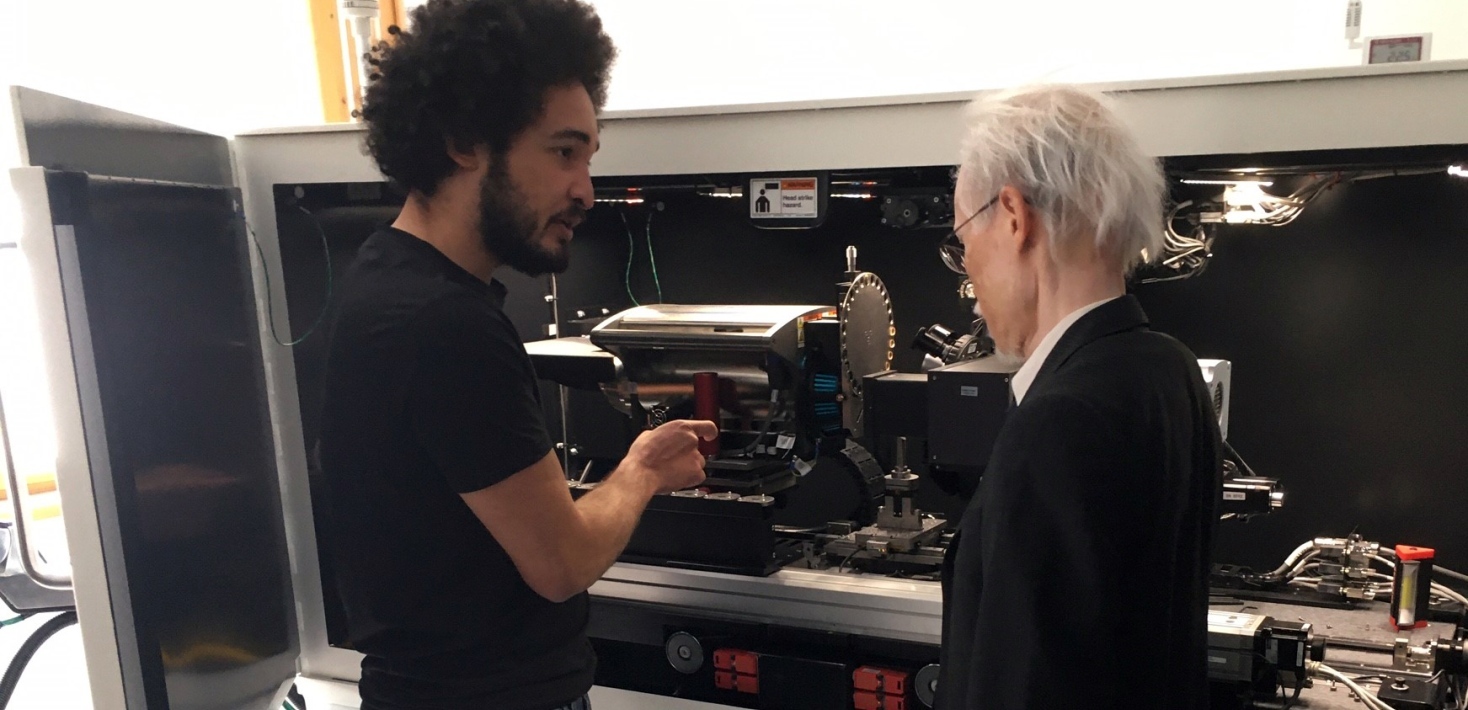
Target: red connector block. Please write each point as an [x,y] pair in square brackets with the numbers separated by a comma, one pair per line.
[736,670]
[879,688]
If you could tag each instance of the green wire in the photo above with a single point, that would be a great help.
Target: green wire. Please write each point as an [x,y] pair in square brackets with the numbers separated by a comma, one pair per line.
[270,295]
[16,620]
[631,249]
[289,705]
[653,259]
[631,254]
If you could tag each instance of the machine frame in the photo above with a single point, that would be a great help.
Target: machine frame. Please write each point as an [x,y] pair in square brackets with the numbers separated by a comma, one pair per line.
[1209,115]
[1238,114]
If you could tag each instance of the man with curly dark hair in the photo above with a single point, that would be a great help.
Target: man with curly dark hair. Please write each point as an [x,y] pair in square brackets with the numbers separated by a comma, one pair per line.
[462,560]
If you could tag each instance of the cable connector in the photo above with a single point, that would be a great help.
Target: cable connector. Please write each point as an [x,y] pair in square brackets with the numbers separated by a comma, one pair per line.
[1367,698]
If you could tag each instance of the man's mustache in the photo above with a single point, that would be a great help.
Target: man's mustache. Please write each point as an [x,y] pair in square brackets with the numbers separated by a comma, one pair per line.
[572,216]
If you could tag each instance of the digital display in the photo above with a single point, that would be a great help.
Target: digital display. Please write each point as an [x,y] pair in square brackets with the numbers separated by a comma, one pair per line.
[1396,49]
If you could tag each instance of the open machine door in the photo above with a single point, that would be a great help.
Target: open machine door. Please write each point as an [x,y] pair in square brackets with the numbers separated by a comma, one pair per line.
[134,244]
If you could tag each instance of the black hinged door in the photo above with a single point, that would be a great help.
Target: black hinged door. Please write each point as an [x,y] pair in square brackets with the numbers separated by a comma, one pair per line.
[154,264]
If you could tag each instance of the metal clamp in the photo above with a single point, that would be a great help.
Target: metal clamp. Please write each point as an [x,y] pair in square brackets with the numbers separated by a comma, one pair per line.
[27,553]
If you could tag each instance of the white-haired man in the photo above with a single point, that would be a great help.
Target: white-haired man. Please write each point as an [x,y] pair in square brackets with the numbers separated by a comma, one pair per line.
[1079,574]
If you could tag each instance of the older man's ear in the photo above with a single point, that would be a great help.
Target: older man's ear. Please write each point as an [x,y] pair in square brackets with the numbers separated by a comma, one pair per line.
[1018,218]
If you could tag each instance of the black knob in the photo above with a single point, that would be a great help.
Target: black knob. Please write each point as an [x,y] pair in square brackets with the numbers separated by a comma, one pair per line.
[901,212]
[1317,650]
[926,684]
[684,652]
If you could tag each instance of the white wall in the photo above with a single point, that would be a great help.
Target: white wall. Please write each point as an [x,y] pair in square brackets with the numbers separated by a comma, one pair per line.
[229,66]
[208,64]
[711,52]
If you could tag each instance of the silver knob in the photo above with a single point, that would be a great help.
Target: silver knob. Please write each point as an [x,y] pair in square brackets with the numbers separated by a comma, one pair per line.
[899,460]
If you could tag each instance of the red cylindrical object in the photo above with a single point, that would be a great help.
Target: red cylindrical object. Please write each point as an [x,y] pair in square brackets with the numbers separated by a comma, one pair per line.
[706,406]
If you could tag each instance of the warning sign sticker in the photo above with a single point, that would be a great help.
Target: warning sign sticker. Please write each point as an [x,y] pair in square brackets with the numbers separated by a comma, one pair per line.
[783,198]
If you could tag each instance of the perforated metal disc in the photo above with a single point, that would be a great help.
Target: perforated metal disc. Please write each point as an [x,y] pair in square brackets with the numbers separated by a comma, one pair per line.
[867,332]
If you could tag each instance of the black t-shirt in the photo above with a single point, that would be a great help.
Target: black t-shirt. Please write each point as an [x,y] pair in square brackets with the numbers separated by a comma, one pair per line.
[429,394]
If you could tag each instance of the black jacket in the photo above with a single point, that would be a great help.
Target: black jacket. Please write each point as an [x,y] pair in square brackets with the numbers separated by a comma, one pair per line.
[1079,574]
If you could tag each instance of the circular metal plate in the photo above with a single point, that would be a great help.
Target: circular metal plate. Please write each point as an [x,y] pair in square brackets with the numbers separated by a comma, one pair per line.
[684,652]
[867,332]
[926,683]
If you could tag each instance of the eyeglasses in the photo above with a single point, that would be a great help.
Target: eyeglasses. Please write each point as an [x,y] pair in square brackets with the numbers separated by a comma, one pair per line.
[951,248]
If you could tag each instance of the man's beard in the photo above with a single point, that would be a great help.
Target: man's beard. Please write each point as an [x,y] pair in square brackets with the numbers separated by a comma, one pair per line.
[1007,359]
[509,228]
[1010,361]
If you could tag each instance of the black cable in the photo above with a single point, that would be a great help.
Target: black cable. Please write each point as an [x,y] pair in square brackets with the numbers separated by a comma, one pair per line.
[270,296]
[775,403]
[653,259]
[27,650]
[1299,686]
[1229,448]
[631,251]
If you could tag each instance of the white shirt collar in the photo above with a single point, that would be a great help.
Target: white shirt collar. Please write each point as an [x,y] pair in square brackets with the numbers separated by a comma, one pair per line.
[1022,380]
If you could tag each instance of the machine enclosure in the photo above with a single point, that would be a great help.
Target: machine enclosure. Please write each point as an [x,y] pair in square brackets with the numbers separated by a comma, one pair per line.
[967,404]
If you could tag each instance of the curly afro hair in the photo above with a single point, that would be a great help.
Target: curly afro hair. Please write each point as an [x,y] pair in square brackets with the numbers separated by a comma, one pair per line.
[475,72]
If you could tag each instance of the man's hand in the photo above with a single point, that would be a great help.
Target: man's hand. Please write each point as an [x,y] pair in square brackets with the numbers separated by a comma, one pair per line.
[667,457]
[561,547]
